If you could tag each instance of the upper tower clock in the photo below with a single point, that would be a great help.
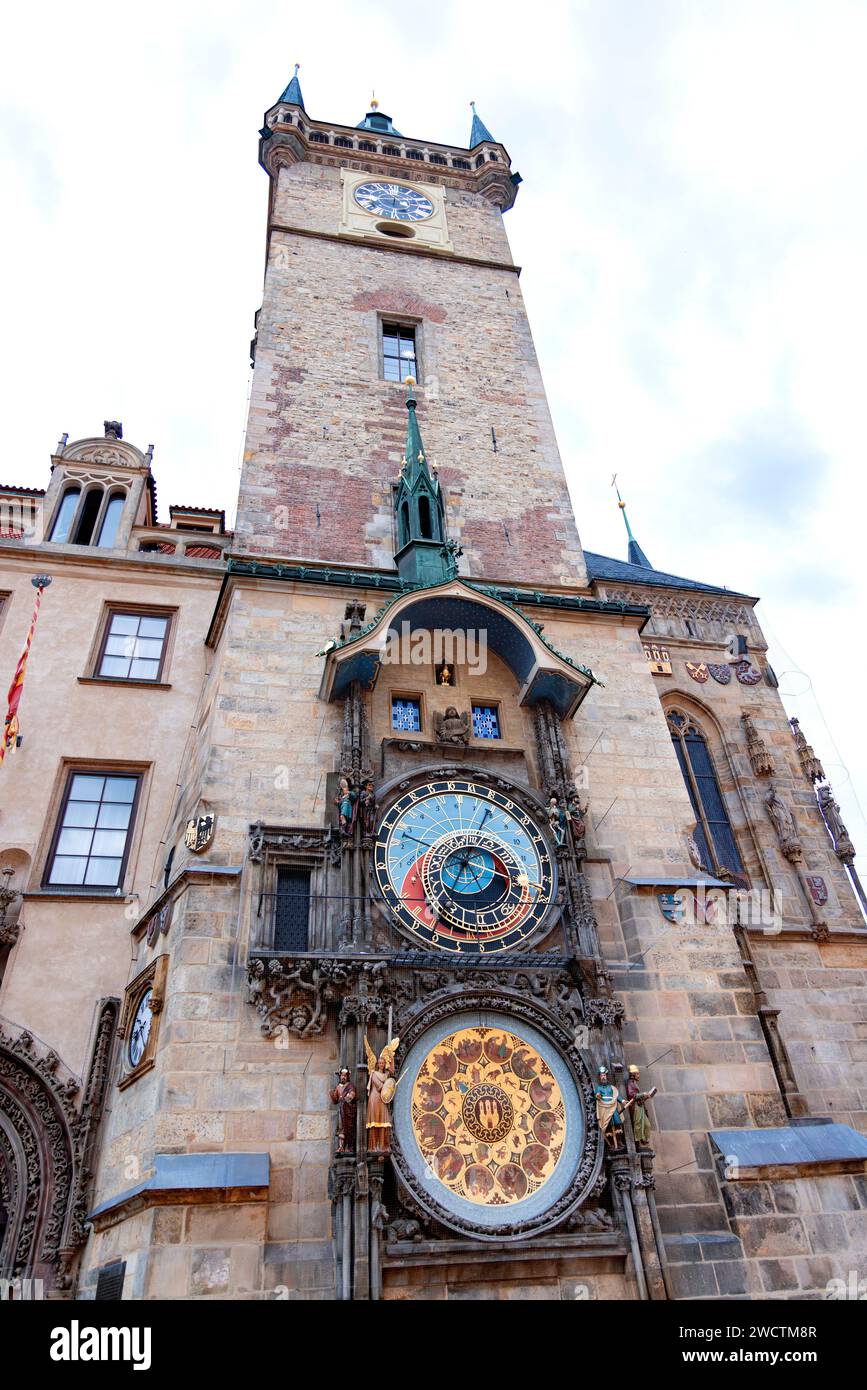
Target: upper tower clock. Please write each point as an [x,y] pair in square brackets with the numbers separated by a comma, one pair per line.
[395,201]
[412,215]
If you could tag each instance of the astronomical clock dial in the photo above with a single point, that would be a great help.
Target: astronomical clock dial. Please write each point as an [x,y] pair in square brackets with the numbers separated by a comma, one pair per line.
[464,868]
[141,1029]
[393,201]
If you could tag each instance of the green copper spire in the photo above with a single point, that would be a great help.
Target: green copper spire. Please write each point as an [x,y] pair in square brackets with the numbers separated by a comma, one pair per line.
[293,91]
[424,554]
[479,133]
[635,554]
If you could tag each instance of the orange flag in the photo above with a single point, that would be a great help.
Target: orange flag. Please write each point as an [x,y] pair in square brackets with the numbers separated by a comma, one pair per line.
[10,727]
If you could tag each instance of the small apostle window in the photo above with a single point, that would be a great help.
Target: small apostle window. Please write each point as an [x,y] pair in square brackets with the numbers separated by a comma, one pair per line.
[486,721]
[406,715]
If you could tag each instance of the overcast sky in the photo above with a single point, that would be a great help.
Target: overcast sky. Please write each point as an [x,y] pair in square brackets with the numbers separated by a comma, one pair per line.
[692,227]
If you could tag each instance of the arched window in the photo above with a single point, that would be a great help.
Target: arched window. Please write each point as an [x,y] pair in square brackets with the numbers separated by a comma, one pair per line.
[714,832]
[111,519]
[65,514]
[87,515]
[424,519]
[404,523]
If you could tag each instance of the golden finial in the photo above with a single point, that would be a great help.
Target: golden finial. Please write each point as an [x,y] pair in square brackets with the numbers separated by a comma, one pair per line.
[409,381]
[374,104]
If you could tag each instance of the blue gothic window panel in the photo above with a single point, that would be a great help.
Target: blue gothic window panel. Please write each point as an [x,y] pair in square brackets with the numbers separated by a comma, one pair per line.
[713,833]
[486,721]
[406,715]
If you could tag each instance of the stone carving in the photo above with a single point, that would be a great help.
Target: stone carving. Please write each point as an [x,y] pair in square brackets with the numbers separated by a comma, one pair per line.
[367,808]
[263,839]
[292,994]
[665,605]
[604,1012]
[113,429]
[355,764]
[760,759]
[784,824]
[9,929]
[452,727]
[843,846]
[694,853]
[810,764]
[403,1228]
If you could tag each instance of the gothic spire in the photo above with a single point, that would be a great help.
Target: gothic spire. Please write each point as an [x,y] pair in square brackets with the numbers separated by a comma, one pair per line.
[635,554]
[292,93]
[424,553]
[479,133]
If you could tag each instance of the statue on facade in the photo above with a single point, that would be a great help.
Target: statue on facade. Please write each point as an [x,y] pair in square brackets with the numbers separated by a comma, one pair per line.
[381,1086]
[608,1109]
[810,765]
[843,847]
[637,1099]
[784,824]
[760,759]
[445,676]
[345,1097]
[572,814]
[367,808]
[452,727]
[346,803]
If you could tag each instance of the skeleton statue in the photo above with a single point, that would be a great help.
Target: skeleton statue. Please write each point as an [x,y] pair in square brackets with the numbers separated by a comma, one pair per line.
[843,847]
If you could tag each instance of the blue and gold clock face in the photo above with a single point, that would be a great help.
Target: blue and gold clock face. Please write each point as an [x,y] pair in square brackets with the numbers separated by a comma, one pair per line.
[464,868]
[393,201]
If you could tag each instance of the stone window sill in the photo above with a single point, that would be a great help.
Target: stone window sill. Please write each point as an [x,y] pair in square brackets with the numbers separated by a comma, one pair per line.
[122,680]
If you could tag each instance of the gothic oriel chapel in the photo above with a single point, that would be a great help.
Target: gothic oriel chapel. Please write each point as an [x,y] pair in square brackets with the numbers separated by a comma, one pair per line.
[407,903]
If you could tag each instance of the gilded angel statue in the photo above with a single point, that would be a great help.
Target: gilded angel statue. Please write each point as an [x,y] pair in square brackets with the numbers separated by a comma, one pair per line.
[381,1087]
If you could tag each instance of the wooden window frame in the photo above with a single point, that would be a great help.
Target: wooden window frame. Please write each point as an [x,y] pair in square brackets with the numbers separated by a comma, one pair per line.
[94,889]
[152,978]
[403,325]
[132,610]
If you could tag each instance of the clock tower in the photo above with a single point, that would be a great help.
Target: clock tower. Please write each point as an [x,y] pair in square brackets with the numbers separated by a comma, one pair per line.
[405,934]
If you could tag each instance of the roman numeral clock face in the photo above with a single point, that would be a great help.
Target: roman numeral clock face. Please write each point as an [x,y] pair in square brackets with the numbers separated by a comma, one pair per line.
[463,868]
[393,201]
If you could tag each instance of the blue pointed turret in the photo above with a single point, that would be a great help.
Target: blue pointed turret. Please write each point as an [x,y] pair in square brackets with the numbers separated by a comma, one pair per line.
[635,554]
[292,93]
[479,133]
[424,554]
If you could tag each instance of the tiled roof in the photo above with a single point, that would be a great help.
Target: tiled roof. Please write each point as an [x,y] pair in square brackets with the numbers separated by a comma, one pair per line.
[24,491]
[604,567]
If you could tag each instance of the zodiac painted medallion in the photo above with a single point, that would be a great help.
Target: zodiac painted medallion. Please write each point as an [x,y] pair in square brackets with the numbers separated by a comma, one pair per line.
[488,1116]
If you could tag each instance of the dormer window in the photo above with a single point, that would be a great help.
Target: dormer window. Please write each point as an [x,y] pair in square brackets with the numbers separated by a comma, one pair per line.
[89,519]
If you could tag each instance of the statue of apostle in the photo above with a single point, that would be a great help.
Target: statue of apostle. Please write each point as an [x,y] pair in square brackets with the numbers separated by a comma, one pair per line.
[608,1109]
[345,1097]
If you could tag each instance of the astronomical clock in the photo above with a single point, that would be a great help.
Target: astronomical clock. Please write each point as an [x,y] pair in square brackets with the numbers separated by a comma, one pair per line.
[493,1119]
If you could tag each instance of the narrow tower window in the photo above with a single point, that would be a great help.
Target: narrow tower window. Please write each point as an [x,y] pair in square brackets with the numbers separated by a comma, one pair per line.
[87,517]
[424,523]
[398,352]
[713,833]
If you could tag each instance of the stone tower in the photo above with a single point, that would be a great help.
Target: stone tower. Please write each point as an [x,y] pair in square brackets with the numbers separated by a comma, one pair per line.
[439,793]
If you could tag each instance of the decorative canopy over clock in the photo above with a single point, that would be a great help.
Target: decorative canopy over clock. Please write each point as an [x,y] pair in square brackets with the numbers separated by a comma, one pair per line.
[394,201]
[464,868]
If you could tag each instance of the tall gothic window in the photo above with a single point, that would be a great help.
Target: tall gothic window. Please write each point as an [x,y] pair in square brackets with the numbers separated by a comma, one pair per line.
[713,833]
